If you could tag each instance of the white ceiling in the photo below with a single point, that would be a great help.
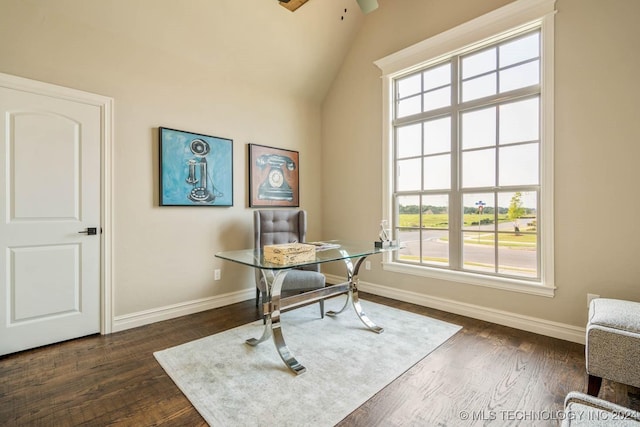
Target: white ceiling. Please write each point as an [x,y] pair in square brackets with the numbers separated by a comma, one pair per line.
[258,41]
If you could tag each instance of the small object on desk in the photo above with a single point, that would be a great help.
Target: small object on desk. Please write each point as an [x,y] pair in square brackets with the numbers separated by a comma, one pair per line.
[384,244]
[385,241]
[321,246]
[384,231]
[289,253]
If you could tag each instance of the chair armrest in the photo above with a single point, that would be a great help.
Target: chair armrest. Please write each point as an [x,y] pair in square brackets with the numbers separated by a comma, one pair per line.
[314,267]
[583,409]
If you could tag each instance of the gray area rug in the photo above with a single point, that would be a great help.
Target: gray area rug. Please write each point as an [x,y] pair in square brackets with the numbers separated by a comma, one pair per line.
[233,384]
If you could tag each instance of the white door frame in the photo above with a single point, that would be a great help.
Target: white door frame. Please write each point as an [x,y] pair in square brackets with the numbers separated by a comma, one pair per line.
[105,104]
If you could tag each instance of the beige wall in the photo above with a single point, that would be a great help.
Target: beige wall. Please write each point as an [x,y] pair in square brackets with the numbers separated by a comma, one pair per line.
[161,72]
[165,255]
[597,146]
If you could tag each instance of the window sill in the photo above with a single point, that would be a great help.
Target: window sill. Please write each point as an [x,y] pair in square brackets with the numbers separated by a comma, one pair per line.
[501,283]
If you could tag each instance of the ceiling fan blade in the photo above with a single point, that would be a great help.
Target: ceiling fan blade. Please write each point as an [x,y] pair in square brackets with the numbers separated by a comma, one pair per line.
[368,5]
[292,5]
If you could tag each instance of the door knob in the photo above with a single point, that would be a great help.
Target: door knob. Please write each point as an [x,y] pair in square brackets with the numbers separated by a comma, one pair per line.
[90,231]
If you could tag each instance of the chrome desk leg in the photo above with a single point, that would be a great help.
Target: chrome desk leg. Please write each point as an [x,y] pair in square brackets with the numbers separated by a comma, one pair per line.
[266,334]
[350,269]
[273,326]
[353,292]
[285,354]
[268,277]
[344,307]
[352,277]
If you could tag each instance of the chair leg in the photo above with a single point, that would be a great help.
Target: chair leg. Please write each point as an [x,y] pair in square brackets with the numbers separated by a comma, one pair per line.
[593,385]
[264,317]
[322,308]
[257,296]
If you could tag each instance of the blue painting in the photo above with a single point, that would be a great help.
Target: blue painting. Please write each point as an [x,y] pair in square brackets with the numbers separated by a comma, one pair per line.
[195,169]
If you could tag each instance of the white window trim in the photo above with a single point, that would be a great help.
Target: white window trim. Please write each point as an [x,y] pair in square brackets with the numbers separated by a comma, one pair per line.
[514,17]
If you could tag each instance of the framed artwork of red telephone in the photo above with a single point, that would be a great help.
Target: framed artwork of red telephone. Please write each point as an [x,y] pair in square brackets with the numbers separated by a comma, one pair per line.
[273,177]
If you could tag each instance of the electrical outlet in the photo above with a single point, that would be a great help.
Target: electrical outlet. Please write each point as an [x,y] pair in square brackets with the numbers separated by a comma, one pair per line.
[216,274]
[590,297]
[367,265]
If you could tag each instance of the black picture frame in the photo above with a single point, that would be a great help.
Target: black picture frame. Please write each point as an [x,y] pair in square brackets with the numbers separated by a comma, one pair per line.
[195,169]
[274,177]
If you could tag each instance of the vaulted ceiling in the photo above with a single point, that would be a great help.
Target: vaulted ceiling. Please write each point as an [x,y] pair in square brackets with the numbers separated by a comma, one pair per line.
[256,41]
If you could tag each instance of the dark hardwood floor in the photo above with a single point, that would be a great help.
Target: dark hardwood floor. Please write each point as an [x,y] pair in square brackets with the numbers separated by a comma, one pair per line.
[493,374]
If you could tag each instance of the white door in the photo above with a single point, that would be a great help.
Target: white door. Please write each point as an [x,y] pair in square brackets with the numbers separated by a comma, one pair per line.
[49,194]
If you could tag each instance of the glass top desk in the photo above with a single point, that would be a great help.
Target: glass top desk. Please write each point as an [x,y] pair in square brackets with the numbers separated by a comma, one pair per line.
[352,254]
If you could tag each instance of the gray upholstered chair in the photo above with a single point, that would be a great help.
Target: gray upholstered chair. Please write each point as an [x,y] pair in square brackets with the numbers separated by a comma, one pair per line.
[277,226]
[613,343]
[582,410]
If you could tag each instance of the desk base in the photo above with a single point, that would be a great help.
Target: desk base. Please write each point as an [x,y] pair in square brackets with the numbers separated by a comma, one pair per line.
[275,305]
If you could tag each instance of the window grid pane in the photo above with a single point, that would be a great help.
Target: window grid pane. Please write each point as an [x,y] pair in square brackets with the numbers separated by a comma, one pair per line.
[478,252]
[409,141]
[436,99]
[438,76]
[409,106]
[519,50]
[437,136]
[479,87]
[479,128]
[437,172]
[479,168]
[479,63]
[409,86]
[519,121]
[521,76]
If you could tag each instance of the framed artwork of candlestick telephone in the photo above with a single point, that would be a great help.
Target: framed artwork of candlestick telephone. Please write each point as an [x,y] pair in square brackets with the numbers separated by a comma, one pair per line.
[195,169]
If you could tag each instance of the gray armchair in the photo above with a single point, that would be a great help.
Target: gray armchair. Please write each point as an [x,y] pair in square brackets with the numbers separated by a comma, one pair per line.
[583,410]
[613,343]
[273,227]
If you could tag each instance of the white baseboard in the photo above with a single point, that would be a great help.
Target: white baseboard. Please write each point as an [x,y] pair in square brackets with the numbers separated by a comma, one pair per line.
[500,317]
[505,318]
[141,318]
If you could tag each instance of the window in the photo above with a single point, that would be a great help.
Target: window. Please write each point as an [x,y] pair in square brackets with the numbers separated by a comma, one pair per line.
[469,152]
